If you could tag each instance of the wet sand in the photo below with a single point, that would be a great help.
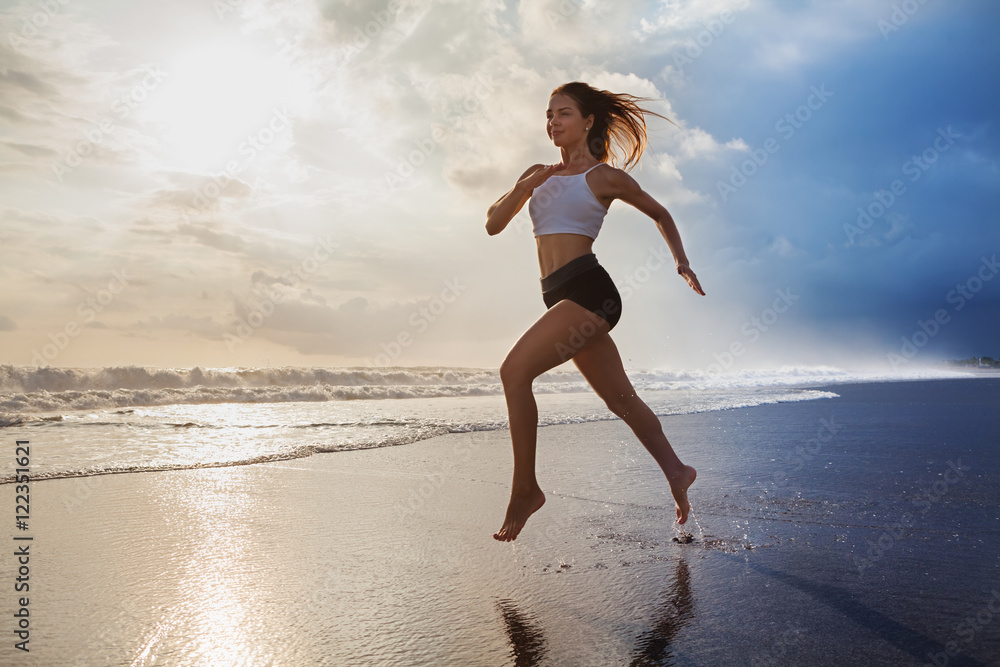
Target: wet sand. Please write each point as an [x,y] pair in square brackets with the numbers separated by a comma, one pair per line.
[802,552]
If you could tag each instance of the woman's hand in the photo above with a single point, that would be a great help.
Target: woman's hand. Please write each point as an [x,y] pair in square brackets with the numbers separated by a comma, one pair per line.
[685,271]
[616,184]
[539,176]
[504,209]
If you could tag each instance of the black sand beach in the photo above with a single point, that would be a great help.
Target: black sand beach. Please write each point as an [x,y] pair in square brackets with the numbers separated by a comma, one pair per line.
[857,530]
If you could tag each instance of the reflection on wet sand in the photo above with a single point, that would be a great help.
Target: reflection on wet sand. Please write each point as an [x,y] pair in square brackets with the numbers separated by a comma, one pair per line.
[653,647]
[527,643]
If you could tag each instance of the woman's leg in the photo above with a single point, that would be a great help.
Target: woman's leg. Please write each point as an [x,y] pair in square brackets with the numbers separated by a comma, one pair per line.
[560,333]
[601,364]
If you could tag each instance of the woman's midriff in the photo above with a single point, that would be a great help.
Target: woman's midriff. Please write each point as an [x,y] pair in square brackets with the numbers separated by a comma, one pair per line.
[555,250]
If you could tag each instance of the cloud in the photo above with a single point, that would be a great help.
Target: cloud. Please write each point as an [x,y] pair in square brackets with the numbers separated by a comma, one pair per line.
[31,150]
[408,122]
[226,241]
[205,326]
[561,26]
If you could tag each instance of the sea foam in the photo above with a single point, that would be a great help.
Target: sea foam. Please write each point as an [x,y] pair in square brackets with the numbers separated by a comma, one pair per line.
[47,389]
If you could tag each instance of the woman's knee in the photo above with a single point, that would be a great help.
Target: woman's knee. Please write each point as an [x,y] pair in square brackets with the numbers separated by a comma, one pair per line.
[622,405]
[512,372]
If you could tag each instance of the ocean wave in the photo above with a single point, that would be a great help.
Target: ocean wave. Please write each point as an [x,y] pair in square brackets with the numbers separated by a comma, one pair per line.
[298,453]
[25,379]
[282,454]
[26,390]
[410,432]
[46,401]
[784,376]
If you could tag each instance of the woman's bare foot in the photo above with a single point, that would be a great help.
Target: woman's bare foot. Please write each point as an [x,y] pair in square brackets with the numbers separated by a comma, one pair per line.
[679,487]
[520,508]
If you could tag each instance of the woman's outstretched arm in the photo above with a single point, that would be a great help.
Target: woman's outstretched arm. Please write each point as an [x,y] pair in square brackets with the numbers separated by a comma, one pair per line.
[624,187]
[504,209]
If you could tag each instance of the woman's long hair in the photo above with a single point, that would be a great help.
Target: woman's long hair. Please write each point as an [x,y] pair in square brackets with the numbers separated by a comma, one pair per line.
[619,129]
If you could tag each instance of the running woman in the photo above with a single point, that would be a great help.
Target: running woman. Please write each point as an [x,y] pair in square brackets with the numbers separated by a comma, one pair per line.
[567,204]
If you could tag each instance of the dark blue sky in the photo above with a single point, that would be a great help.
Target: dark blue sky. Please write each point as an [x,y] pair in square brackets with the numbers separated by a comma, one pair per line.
[891,100]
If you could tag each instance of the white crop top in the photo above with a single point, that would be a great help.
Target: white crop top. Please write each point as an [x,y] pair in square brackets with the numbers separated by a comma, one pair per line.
[566,205]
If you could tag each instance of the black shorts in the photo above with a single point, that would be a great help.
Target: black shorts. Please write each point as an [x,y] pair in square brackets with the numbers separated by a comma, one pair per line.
[584,281]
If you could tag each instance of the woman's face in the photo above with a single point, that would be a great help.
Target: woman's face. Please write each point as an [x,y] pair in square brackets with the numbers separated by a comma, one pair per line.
[565,125]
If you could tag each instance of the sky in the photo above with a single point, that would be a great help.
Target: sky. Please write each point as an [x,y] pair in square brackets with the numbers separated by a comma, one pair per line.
[264,183]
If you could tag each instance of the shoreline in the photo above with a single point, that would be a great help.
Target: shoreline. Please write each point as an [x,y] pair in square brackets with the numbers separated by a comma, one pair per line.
[310,450]
[385,555]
